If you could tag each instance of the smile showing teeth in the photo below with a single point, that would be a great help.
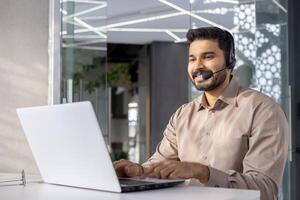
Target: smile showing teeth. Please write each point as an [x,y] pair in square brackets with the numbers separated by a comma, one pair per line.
[197,74]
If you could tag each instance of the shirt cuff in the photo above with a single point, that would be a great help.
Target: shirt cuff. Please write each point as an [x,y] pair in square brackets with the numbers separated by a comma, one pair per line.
[217,178]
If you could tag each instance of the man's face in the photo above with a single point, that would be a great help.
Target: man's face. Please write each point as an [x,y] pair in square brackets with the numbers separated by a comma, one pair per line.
[205,55]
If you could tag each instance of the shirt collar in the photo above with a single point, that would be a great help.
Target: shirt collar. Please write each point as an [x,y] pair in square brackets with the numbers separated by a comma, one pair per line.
[203,102]
[229,95]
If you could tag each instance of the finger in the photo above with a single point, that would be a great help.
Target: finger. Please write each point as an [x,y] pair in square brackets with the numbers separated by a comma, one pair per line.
[165,165]
[119,167]
[155,171]
[146,170]
[150,170]
[164,173]
[153,165]
[133,170]
[120,171]
[122,161]
[117,161]
[173,175]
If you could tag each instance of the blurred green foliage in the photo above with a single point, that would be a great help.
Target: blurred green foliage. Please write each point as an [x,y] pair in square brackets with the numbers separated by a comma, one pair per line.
[116,76]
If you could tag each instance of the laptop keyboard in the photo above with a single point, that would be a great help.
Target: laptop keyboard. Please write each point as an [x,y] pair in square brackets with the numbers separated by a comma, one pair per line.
[132,182]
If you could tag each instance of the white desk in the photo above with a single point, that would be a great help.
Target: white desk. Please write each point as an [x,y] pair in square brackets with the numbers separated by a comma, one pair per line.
[40,191]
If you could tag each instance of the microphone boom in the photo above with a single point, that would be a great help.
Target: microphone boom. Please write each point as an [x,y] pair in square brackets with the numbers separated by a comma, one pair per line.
[209,74]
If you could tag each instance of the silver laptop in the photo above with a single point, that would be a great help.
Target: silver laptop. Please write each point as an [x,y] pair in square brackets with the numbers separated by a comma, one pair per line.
[68,147]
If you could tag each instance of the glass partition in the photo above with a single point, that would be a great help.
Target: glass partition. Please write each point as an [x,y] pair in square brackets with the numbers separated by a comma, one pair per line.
[117,85]
[105,58]
[271,72]
[83,56]
[133,26]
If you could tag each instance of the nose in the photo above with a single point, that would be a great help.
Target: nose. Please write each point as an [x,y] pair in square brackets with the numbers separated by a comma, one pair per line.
[198,64]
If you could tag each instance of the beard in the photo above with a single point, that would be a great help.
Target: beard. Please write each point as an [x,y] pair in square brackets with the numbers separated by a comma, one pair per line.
[212,83]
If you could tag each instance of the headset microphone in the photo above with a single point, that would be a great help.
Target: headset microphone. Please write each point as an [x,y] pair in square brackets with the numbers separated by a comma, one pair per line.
[209,74]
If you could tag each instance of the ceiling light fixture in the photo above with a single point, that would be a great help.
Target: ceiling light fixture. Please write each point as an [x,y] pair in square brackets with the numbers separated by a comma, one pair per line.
[181,40]
[125,23]
[223,1]
[83,43]
[172,35]
[215,11]
[280,6]
[154,30]
[191,14]
[87,18]
[91,48]
[89,27]
[85,11]
[84,24]
[82,37]
[84,1]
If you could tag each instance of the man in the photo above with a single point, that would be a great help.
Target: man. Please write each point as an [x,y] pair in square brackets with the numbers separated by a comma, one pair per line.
[230,136]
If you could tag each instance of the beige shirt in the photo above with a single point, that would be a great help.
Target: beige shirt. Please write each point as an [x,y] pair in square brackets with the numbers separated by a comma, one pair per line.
[243,139]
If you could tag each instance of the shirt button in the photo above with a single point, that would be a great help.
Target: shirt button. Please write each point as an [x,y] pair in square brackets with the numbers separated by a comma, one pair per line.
[207,133]
[204,157]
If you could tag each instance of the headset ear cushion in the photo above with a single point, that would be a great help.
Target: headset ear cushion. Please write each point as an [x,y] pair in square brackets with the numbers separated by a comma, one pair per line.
[233,62]
[232,59]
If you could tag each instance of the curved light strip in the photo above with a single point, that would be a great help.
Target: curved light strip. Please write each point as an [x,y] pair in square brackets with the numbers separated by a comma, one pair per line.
[172,35]
[85,11]
[84,24]
[191,14]
[104,28]
[84,1]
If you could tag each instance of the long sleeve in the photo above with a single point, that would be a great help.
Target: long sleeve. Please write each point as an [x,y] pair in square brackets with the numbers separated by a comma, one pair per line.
[263,164]
[243,140]
[167,148]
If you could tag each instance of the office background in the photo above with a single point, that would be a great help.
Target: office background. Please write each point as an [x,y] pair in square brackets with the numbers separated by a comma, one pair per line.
[129,59]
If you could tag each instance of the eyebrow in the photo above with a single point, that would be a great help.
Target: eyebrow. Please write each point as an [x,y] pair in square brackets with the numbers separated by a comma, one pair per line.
[204,53]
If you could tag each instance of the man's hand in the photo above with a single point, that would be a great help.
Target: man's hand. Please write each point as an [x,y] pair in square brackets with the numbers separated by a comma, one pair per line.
[125,168]
[171,169]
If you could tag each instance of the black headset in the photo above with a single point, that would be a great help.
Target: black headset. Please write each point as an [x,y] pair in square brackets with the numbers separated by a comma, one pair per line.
[230,60]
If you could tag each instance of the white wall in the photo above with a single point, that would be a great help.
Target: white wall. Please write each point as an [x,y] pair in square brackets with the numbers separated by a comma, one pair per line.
[23,75]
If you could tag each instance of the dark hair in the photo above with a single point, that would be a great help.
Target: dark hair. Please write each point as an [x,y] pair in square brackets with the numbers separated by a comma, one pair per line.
[224,38]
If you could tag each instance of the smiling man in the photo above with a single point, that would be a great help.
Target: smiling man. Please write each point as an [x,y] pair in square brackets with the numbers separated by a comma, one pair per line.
[230,136]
